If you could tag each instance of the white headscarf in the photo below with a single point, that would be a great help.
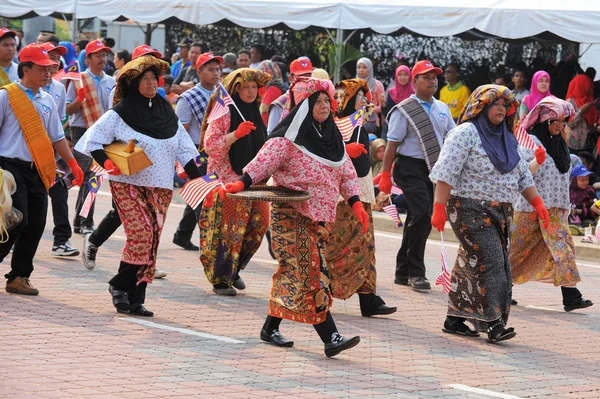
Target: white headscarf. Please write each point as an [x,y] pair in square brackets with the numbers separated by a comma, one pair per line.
[370,77]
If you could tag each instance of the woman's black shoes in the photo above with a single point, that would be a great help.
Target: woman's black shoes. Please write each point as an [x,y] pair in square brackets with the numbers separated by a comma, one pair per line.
[138,309]
[579,303]
[339,344]
[498,333]
[120,300]
[458,327]
[276,338]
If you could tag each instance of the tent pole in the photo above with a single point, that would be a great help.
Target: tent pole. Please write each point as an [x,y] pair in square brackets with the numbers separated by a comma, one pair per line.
[339,42]
[75,30]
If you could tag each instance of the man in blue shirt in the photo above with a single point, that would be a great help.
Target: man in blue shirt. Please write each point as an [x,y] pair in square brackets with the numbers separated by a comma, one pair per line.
[184,62]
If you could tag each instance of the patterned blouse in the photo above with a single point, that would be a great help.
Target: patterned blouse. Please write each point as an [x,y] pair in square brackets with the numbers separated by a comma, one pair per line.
[464,165]
[293,169]
[218,153]
[552,185]
[162,153]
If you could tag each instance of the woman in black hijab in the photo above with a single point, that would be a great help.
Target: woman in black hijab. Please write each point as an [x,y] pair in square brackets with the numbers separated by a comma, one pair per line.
[141,198]
[548,255]
[231,140]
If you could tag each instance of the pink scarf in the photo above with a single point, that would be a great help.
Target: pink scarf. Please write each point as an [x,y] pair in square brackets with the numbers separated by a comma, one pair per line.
[401,92]
[535,96]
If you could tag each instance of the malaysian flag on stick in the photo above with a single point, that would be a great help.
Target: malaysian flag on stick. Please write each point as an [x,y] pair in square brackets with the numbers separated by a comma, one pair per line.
[94,185]
[523,138]
[444,278]
[348,123]
[220,107]
[194,191]
[71,72]
[392,212]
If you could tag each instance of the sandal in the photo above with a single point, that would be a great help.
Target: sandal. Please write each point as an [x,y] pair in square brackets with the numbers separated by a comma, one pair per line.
[497,333]
[120,300]
[458,328]
[579,303]
[140,310]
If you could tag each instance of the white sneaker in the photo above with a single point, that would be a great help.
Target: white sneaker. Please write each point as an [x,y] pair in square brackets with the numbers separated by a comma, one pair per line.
[160,274]
[64,250]
[88,255]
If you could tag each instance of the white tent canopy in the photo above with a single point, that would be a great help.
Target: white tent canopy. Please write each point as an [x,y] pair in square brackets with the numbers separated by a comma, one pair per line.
[574,20]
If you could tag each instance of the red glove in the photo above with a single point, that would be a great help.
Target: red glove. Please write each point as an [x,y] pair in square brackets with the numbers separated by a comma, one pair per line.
[111,168]
[385,184]
[210,198]
[361,215]
[542,212]
[540,155]
[77,172]
[244,129]
[438,219]
[234,187]
[354,150]
[81,93]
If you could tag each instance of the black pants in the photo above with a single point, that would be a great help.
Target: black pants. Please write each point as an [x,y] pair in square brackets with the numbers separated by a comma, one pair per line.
[59,196]
[107,227]
[31,198]
[84,163]
[188,223]
[126,280]
[412,175]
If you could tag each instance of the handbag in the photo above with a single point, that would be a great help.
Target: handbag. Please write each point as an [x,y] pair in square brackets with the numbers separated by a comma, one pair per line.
[10,216]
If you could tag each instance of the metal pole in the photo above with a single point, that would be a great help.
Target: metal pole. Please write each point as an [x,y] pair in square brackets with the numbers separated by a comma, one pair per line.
[75,27]
[339,42]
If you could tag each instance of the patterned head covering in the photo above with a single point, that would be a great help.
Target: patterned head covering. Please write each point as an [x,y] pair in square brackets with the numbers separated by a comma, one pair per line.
[272,69]
[548,109]
[135,68]
[345,90]
[485,95]
[303,87]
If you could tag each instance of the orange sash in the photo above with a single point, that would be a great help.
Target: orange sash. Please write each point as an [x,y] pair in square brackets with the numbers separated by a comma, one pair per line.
[4,79]
[90,107]
[35,134]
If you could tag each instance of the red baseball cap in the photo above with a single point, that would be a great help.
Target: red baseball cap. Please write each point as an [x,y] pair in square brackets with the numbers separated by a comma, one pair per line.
[6,31]
[204,58]
[62,50]
[425,66]
[96,45]
[36,54]
[144,49]
[301,66]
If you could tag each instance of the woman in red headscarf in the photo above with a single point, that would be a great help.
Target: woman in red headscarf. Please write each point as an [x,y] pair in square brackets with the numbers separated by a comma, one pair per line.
[582,134]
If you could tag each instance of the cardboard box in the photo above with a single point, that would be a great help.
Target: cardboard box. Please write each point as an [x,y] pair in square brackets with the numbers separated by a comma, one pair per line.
[127,157]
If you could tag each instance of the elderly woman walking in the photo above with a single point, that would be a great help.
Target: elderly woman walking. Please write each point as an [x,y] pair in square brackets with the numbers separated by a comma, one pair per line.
[538,254]
[479,175]
[142,198]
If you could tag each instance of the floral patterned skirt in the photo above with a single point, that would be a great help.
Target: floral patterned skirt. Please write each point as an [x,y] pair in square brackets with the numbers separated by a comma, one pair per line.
[300,290]
[351,254]
[230,234]
[481,278]
[543,255]
[142,211]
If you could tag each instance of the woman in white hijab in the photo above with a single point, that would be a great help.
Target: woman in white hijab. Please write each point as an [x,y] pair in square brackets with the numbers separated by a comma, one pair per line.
[364,70]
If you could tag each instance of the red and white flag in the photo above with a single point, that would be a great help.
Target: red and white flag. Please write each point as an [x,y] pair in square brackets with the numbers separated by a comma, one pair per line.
[221,105]
[444,278]
[194,191]
[392,212]
[523,138]
[348,123]
[97,169]
[94,184]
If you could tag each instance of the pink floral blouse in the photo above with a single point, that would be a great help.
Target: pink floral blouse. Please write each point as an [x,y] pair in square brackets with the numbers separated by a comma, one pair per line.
[218,153]
[293,169]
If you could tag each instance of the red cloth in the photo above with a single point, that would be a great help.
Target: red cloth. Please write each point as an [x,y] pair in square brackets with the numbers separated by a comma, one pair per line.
[272,94]
[581,89]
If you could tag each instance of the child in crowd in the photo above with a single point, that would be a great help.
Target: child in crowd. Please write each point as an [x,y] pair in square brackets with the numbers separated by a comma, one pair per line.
[582,197]
[171,96]
[377,151]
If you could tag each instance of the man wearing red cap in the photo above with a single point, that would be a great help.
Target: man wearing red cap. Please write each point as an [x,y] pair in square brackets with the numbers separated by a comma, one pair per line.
[87,101]
[8,49]
[416,130]
[190,109]
[27,151]
[300,67]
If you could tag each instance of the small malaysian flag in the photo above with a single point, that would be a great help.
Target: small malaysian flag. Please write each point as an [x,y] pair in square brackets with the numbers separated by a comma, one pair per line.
[396,190]
[523,138]
[220,107]
[70,72]
[194,191]
[444,278]
[201,160]
[392,212]
[348,123]
[94,185]
[97,169]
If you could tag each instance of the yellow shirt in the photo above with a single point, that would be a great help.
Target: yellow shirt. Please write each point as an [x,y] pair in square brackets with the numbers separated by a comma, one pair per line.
[455,99]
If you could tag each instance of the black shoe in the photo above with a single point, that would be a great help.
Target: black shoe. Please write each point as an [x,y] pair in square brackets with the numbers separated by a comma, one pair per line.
[276,338]
[401,281]
[381,310]
[139,310]
[339,343]
[579,303]
[498,333]
[120,300]
[239,283]
[419,283]
[185,244]
[459,328]
[513,302]
[224,289]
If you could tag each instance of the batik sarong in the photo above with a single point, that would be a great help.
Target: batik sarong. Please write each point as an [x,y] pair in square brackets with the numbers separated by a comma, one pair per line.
[300,290]
[481,278]
[351,254]
[545,255]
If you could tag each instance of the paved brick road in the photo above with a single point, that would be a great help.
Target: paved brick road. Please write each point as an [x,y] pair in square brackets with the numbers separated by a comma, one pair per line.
[69,341]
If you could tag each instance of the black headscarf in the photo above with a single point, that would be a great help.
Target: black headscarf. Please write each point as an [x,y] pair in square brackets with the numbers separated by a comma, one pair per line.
[158,121]
[554,145]
[362,163]
[500,145]
[245,149]
[323,140]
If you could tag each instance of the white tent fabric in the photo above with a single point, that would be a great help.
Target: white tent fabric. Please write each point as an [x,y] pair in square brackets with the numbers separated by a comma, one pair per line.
[575,20]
